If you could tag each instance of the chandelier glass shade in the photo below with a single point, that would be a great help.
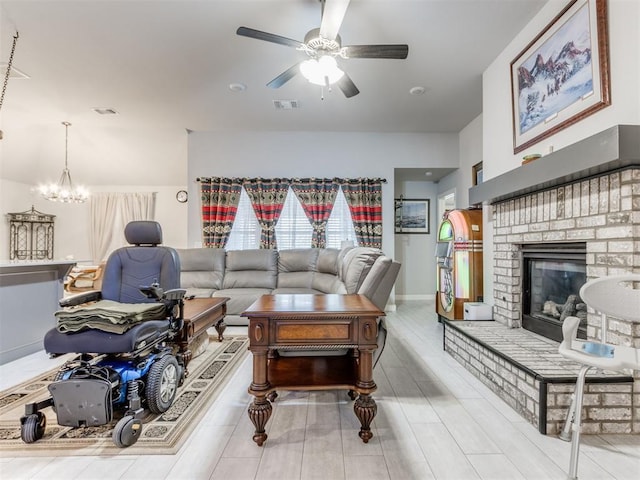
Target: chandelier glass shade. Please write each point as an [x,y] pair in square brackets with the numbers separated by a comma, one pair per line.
[323,71]
[64,191]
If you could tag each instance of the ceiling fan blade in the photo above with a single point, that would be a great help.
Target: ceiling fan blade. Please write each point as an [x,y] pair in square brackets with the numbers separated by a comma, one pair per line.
[347,86]
[377,51]
[284,77]
[268,37]
[333,12]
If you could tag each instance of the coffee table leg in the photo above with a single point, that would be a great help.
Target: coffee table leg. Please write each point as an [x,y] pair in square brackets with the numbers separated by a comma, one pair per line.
[259,414]
[365,408]
[220,328]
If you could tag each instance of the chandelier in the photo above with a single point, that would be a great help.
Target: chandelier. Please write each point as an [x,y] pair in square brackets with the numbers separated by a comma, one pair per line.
[64,191]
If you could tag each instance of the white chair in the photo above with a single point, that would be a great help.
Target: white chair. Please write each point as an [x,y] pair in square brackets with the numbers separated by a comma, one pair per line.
[614,296]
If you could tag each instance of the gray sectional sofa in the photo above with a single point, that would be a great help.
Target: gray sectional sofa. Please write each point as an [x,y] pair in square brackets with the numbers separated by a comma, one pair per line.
[245,275]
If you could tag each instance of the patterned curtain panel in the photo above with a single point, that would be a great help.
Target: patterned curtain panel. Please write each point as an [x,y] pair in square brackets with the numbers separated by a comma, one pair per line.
[267,198]
[317,196]
[220,197]
[364,197]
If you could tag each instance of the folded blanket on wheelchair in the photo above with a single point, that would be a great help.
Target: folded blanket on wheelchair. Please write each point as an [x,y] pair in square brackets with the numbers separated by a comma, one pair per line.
[108,316]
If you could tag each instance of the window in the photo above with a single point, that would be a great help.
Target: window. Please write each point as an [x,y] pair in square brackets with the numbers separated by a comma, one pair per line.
[293,229]
[340,225]
[245,233]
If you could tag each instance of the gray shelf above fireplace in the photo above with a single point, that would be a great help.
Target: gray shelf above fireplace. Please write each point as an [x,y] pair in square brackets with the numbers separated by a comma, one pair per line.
[613,149]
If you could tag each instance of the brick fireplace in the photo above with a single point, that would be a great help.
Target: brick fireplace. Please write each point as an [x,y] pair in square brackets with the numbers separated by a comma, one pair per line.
[587,194]
[598,211]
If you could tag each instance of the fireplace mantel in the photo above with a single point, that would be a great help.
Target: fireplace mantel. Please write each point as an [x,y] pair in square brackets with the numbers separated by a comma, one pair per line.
[612,149]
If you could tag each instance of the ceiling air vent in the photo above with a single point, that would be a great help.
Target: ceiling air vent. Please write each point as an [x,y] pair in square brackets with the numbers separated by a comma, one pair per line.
[104,111]
[286,104]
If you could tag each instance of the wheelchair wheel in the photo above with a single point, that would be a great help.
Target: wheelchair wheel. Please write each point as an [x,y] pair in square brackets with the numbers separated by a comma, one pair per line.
[32,428]
[126,431]
[162,383]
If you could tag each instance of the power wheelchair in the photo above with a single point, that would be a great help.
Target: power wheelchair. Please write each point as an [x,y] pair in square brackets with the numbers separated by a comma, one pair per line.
[142,367]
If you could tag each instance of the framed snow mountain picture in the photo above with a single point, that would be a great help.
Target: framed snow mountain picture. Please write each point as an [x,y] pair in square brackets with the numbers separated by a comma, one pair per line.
[562,76]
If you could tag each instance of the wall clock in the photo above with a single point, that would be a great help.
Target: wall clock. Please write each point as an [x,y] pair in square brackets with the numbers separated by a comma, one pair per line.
[182,196]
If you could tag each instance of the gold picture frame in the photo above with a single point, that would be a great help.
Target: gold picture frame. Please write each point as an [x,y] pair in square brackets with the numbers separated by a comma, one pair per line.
[562,76]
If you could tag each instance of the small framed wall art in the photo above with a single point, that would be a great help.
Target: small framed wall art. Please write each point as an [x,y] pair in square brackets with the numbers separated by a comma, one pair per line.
[412,215]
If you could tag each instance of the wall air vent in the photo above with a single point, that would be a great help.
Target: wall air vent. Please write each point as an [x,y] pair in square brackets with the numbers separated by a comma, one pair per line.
[286,104]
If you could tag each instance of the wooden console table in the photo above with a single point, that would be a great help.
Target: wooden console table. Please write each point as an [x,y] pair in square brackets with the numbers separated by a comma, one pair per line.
[199,315]
[312,322]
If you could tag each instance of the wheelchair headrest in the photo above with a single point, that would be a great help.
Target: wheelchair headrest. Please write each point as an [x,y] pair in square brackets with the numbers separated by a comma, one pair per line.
[143,232]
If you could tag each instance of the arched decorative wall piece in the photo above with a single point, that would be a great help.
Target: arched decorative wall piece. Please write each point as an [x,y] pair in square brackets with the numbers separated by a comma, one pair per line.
[30,235]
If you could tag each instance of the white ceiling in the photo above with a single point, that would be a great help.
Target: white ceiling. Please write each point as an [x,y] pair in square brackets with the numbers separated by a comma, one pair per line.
[166,67]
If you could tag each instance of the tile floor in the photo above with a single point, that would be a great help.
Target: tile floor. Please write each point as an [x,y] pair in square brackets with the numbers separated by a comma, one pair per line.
[434,421]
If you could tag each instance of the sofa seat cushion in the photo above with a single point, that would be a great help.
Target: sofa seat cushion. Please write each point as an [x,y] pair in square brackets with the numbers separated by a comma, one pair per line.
[295,279]
[296,290]
[327,283]
[240,298]
[200,292]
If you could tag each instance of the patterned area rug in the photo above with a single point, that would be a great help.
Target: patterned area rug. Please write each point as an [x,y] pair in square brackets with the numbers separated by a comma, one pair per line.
[162,433]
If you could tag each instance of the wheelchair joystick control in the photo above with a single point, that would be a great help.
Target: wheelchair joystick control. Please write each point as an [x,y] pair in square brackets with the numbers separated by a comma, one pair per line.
[152,291]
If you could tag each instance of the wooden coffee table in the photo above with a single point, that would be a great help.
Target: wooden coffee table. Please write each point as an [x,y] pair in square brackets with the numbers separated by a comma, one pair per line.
[312,322]
[199,315]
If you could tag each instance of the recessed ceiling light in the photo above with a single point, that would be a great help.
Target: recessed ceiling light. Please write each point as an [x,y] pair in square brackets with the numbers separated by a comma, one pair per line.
[105,111]
[417,90]
[428,174]
[237,87]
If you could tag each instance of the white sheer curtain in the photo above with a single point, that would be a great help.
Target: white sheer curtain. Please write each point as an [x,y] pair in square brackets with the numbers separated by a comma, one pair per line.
[110,213]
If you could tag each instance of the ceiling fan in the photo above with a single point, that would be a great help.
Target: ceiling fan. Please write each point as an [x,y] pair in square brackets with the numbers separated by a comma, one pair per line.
[322,46]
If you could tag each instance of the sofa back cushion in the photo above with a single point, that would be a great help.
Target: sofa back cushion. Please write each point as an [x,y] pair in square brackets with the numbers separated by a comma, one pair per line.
[325,279]
[251,268]
[328,261]
[379,281]
[355,266]
[296,267]
[201,267]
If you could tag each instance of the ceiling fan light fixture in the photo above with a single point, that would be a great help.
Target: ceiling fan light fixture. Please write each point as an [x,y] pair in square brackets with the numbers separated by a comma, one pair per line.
[323,71]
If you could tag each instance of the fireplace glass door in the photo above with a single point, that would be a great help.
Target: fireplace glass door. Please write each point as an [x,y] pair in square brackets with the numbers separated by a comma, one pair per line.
[552,286]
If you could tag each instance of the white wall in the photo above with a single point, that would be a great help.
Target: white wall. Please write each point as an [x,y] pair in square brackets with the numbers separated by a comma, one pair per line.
[624,55]
[470,146]
[325,154]
[417,278]
[72,220]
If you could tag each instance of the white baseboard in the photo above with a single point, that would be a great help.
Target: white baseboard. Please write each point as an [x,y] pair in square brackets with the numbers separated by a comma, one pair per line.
[431,296]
